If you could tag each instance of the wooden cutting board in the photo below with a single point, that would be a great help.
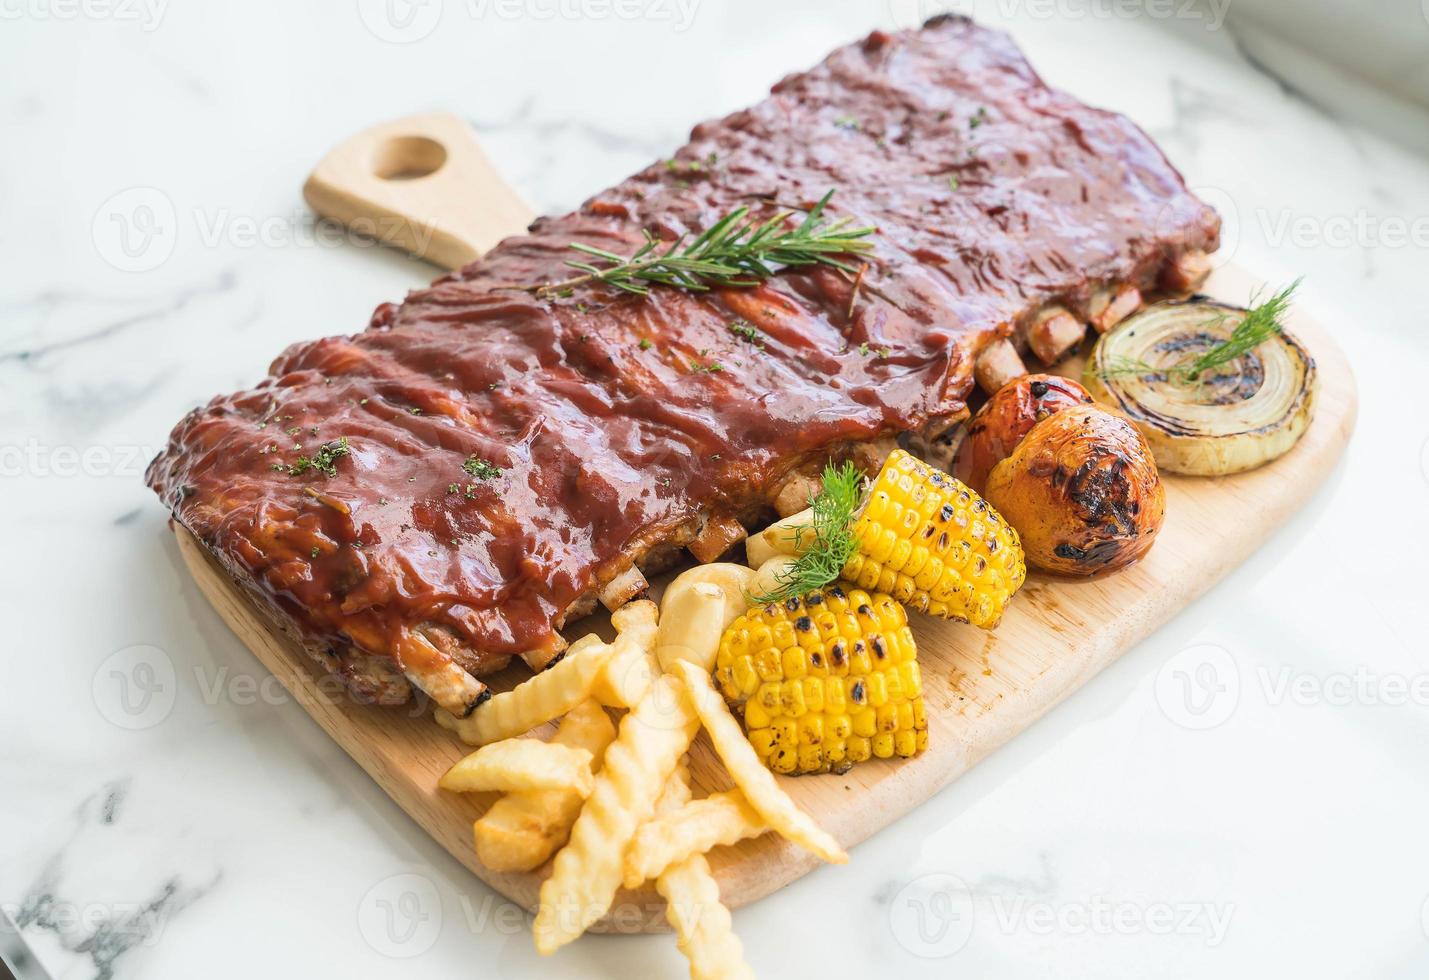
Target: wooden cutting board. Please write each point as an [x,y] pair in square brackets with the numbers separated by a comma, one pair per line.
[424,185]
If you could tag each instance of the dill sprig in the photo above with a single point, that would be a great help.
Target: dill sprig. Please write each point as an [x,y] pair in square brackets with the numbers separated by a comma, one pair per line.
[1260,323]
[736,250]
[832,528]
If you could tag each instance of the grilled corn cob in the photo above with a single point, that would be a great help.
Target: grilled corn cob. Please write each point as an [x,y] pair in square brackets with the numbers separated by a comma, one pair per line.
[929,541]
[825,680]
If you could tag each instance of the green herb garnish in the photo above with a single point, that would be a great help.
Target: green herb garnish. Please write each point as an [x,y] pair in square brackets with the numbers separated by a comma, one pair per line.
[480,468]
[324,460]
[736,251]
[1260,323]
[742,329]
[832,527]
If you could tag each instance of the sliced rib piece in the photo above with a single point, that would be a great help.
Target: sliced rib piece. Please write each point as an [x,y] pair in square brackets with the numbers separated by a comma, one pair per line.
[1053,332]
[507,453]
[998,364]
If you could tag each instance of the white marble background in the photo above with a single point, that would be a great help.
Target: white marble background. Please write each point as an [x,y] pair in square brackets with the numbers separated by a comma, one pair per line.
[165,814]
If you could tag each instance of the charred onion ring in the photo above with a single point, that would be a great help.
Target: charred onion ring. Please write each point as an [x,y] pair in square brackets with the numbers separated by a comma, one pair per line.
[1241,414]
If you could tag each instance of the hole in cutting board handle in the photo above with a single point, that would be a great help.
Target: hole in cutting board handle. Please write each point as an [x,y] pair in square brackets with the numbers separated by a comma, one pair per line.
[408,158]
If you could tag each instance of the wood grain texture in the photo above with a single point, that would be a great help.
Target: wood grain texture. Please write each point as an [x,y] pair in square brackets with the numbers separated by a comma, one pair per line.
[981,688]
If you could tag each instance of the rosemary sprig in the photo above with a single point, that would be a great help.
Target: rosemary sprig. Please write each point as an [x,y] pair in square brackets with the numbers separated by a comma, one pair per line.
[1260,323]
[736,250]
[832,527]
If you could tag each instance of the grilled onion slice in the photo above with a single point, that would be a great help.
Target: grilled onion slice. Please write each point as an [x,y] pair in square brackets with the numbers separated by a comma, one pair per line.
[1237,416]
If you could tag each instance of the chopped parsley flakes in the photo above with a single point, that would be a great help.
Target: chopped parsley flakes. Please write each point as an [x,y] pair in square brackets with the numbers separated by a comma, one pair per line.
[481,469]
[324,460]
[742,329]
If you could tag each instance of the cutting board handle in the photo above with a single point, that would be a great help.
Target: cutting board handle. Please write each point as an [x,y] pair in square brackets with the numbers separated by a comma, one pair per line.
[421,184]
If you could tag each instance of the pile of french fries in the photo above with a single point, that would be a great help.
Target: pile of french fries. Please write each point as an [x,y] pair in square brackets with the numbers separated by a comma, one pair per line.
[615,805]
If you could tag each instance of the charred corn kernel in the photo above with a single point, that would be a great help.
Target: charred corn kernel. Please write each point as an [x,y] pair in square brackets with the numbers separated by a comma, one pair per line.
[791,698]
[865,722]
[744,677]
[885,719]
[763,741]
[813,694]
[905,743]
[904,721]
[912,679]
[927,540]
[785,731]
[877,689]
[767,664]
[824,681]
[811,758]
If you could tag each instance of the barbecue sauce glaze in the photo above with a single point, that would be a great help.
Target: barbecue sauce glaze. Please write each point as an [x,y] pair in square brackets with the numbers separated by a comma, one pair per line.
[616,421]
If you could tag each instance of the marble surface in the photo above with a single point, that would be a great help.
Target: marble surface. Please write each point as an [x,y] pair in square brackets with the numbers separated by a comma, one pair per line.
[1242,795]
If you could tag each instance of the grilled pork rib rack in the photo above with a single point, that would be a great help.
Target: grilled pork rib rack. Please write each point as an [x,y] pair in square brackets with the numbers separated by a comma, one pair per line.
[424,500]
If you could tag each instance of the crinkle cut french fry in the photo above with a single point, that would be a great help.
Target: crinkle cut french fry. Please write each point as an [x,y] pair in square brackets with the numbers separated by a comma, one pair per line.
[588,870]
[637,621]
[702,924]
[749,774]
[677,789]
[521,830]
[557,689]
[625,677]
[520,764]
[720,818]
[533,702]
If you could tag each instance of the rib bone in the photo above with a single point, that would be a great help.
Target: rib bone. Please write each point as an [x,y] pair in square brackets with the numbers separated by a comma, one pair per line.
[1187,273]
[1053,333]
[438,677]
[624,587]
[1110,308]
[998,364]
